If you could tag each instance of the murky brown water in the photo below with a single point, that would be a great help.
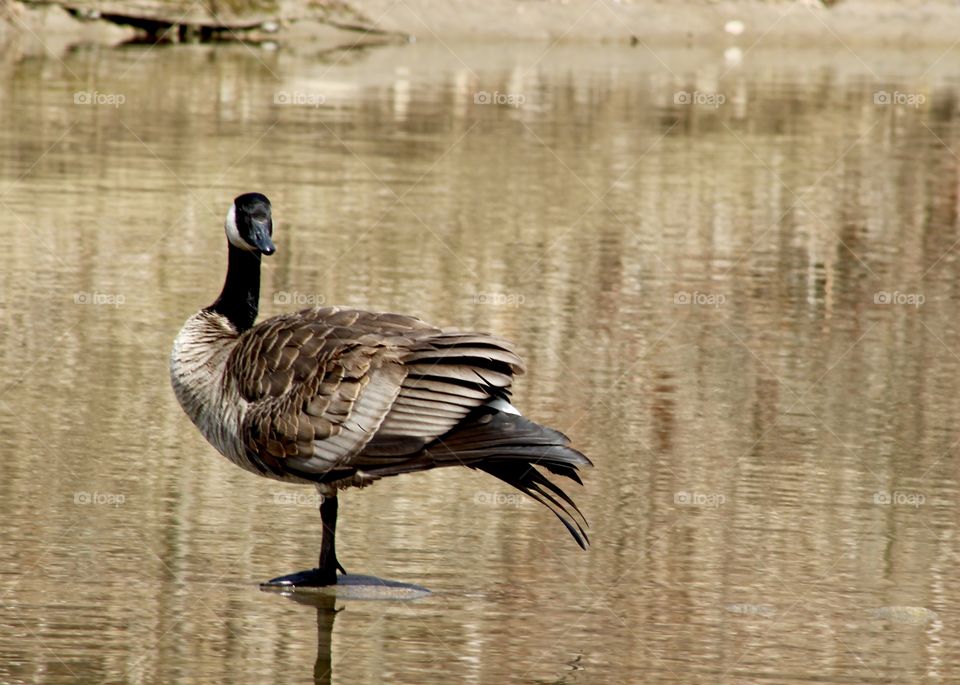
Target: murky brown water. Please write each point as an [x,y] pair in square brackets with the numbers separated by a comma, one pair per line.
[744,311]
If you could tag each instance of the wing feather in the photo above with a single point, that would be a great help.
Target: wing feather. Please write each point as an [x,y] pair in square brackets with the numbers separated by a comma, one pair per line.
[334,390]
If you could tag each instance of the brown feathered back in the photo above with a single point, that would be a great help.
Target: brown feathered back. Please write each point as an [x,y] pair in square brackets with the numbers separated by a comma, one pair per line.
[333,391]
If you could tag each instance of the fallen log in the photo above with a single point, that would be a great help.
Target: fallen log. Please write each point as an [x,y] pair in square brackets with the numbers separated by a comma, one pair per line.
[189,20]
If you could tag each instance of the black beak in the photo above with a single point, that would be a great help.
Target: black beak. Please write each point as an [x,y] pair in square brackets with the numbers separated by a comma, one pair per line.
[260,235]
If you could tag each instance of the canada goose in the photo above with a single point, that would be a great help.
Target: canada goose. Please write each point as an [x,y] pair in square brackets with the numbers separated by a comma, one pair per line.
[339,398]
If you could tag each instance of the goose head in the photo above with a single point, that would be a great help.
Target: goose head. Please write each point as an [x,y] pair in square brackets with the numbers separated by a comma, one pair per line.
[249,224]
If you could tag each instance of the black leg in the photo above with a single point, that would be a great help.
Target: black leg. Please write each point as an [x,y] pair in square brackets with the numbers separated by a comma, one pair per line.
[328,545]
[326,572]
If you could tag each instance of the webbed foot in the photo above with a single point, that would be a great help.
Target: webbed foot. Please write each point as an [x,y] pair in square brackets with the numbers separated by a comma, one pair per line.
[315,577]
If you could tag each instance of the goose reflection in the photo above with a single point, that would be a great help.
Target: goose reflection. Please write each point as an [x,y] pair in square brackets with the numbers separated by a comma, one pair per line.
[325,604]
[350,586]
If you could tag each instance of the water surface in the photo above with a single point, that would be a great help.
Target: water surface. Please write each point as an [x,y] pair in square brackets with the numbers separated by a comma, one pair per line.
[742,308]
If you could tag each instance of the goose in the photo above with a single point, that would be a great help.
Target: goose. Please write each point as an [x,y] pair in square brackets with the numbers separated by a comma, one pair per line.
[339,398]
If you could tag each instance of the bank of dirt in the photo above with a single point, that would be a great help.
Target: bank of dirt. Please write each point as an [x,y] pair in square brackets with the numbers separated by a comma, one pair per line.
[36,26]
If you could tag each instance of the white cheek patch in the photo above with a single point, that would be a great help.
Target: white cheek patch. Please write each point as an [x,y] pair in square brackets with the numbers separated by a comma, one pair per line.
[233,234]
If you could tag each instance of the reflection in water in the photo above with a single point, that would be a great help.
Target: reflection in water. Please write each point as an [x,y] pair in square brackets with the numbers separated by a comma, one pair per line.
[351,587]
[323,668]
[744,313]
[326,615]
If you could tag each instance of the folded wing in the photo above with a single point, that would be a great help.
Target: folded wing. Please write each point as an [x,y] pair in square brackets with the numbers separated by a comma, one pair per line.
[334,391]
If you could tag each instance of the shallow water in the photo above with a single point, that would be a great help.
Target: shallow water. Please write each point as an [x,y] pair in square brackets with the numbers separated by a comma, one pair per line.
[743,309]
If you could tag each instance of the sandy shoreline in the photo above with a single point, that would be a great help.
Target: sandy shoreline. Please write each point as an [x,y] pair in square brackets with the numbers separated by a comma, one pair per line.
[798,22]
[32,28]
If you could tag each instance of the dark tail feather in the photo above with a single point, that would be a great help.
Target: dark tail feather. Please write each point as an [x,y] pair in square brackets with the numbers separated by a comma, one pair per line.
[509,447]
[525,478]
[564,470]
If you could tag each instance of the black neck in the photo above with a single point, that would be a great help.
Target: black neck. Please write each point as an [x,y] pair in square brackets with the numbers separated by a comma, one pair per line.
[240,297]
